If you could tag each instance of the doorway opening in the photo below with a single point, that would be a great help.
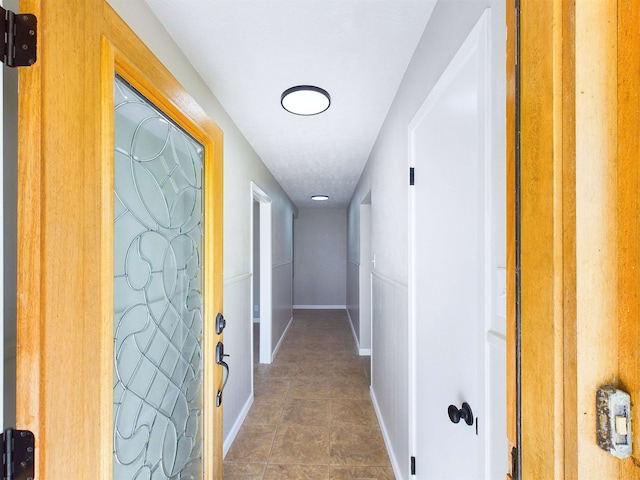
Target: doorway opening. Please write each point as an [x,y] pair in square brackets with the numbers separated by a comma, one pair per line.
[366,262]
[255,282]
[261,273]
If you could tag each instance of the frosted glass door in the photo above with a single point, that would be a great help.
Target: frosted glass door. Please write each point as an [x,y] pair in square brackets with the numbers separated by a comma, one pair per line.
[158,301]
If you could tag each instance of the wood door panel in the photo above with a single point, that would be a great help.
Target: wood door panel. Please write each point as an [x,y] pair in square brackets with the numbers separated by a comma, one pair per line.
[65,272]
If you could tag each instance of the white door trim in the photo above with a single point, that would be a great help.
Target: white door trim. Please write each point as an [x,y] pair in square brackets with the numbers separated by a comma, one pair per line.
[260,196]
[364,283]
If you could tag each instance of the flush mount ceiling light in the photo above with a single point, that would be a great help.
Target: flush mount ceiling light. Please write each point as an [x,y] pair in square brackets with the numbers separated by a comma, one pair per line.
[320,198]
[305,100]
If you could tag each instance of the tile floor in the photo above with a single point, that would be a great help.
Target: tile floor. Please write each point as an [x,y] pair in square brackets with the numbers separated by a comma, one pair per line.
[312,416]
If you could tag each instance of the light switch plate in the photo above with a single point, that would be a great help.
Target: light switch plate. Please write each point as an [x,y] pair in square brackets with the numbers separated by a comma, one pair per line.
[613,421]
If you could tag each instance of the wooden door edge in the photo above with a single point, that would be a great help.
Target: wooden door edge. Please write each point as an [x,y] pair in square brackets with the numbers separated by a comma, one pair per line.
[29,233]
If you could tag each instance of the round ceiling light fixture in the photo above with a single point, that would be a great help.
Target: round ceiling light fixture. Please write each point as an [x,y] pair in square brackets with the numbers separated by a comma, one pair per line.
[305,100]
[320,198]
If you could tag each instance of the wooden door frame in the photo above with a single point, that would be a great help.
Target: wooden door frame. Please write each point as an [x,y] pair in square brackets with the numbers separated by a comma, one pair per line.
[629,217]
[544,237]
[579,220]
[65,232]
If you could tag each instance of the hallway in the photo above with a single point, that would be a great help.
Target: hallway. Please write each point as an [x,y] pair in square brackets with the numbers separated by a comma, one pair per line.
[312,416]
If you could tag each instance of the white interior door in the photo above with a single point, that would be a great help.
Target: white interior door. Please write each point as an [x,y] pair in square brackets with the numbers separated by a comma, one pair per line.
[449,256]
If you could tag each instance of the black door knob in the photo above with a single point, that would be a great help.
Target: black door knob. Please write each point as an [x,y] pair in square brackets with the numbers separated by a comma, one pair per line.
[464,413]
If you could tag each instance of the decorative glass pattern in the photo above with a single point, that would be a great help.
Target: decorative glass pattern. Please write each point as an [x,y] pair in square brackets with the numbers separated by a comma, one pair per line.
[157,394]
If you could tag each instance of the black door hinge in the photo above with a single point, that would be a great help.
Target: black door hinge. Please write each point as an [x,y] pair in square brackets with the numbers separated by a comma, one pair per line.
[514,464]
[19,34]
[413,465]
[18,454]
[412,176]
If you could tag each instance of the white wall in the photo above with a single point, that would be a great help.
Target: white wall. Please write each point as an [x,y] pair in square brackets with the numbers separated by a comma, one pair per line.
[241,166]
[320,258]
[386,176]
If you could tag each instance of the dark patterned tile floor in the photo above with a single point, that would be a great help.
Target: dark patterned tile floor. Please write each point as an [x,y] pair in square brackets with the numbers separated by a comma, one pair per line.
[312,416]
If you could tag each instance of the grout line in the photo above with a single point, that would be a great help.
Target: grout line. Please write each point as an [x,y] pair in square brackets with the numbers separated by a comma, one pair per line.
[278,425]
[330,425]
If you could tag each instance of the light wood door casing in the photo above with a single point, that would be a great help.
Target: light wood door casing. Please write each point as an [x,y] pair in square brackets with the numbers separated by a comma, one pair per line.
[65,265]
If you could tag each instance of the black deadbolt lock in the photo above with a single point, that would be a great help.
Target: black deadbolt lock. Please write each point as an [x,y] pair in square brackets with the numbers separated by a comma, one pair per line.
[220,323]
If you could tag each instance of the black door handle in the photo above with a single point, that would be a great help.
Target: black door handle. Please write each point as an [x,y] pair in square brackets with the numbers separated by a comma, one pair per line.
[464,413]
[220,361]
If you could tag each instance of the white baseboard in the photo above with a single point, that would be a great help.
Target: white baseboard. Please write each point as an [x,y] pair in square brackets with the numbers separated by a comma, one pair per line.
[353,330]
[233,433]
[385,435]
[319,307]
[363,352]
[284,334]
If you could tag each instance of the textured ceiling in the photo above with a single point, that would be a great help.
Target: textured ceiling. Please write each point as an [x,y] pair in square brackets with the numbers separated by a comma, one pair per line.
[250,51]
